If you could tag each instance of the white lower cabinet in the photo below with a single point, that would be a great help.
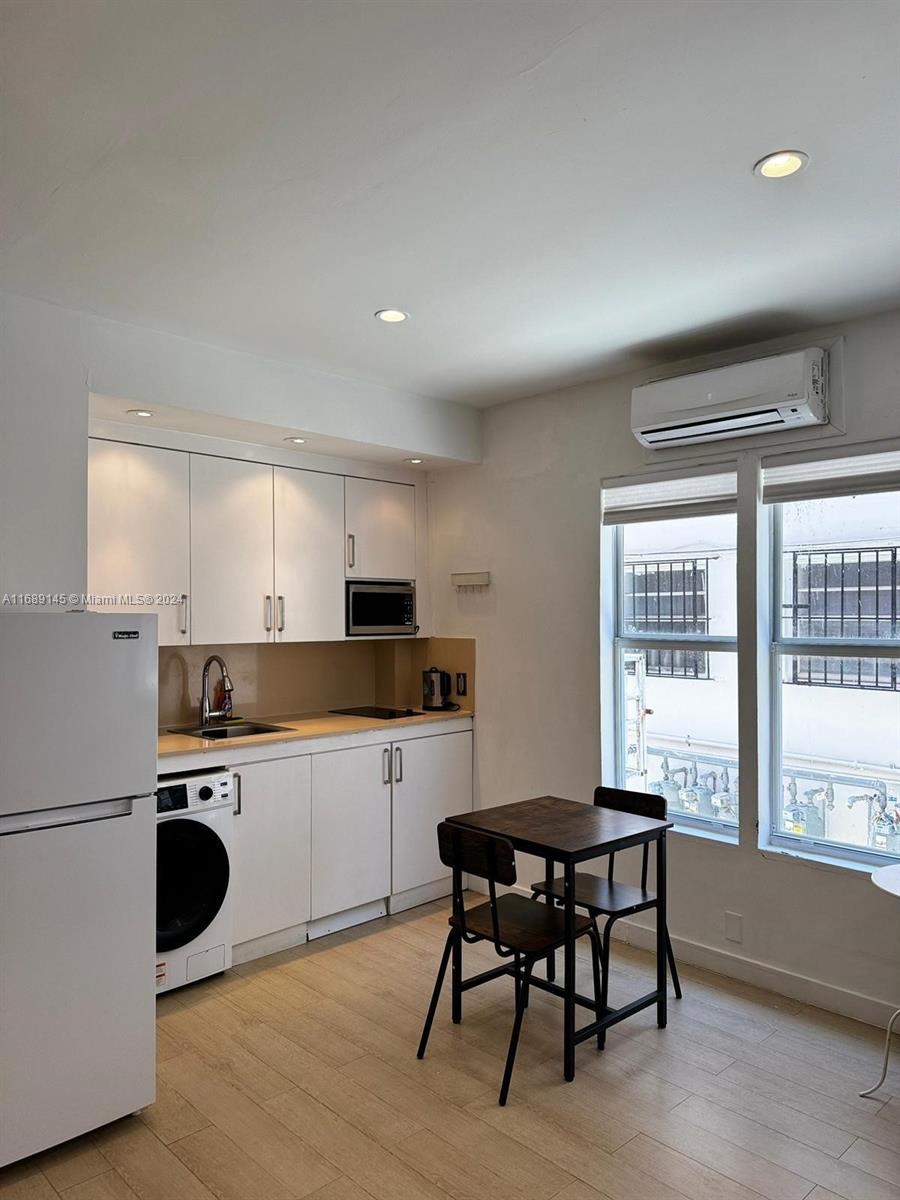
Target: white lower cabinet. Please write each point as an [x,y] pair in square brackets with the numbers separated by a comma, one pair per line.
[271,847]
[432,780]
[351,828]
[319,834]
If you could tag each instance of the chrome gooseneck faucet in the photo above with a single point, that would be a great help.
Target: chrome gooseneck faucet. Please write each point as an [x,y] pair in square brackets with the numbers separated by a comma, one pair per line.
[225,711]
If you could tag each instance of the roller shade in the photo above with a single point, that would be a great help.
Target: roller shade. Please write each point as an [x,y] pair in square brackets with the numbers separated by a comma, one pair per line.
[695,495]
[848,476]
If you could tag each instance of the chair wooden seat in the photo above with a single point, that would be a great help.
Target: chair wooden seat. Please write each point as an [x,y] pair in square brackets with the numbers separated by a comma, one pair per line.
[526,926]
[599,895]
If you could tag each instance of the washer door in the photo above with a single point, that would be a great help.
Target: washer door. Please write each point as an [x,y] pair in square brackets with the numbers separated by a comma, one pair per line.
[192,873]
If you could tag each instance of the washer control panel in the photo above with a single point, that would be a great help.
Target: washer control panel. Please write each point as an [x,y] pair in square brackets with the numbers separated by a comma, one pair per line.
[193,790]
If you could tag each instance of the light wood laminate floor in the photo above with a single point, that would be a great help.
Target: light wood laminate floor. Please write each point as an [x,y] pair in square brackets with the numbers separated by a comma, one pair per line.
[296,1076]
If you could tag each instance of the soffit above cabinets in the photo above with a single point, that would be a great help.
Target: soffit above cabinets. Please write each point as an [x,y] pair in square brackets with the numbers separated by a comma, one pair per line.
[201,432]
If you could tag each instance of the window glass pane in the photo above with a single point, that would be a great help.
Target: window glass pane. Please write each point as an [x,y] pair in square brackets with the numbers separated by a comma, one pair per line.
[840,761]
[681,736]
[840,575]
[679,577]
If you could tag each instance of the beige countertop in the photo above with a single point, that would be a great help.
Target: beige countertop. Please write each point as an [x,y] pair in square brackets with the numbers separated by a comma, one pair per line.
[295,728]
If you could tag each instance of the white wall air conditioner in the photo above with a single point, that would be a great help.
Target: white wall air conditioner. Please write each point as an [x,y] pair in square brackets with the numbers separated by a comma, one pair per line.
[762,396]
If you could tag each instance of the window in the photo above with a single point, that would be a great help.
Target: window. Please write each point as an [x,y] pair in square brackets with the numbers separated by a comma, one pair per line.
[670,597]
[836,783]
[676,663]
[838,593]
[828,693]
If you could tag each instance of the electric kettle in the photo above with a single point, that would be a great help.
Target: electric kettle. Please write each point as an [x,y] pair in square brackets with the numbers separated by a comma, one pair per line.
[436,688]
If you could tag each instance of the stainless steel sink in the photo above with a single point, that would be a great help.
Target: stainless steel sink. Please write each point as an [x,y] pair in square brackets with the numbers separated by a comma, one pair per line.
[234,730]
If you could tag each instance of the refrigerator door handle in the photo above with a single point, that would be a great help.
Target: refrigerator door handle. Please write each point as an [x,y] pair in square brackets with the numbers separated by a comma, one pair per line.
[75,814]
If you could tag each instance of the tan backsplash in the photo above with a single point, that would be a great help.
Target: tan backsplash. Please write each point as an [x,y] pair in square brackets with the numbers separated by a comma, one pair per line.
[296,677]
[399,667]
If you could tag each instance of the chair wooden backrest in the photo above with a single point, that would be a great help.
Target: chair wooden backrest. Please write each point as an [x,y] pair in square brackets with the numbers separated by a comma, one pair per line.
[476,853]
[641,804]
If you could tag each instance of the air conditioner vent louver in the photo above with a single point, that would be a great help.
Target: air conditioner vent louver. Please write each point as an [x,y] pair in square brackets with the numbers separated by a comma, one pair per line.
[725,403]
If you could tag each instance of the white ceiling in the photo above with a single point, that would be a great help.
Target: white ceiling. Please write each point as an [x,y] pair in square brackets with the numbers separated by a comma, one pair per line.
[555,189]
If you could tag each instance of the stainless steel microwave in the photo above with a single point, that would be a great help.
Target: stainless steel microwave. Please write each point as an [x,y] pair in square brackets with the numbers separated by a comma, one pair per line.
[375,607]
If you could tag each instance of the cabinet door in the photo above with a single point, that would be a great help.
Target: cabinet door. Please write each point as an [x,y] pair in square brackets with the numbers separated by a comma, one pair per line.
[232,573]
[139,530]
[351,828]
[309,563]
[432,780]
[381,529]
[271,848]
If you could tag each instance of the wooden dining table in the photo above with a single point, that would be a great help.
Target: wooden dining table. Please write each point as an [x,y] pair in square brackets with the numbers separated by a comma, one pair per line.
[567,832]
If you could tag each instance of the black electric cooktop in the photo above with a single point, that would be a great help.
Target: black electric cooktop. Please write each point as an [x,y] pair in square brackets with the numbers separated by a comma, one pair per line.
[374,710]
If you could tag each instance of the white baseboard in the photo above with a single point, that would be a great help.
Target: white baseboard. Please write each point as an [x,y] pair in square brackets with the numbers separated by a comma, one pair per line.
[344,920]
[401,901]
[269,943]
[775,979]
[816,992]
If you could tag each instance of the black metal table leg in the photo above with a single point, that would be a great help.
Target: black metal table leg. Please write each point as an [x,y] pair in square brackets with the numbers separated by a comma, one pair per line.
[661,939]
[569,1001]
[551,957]
[456,978]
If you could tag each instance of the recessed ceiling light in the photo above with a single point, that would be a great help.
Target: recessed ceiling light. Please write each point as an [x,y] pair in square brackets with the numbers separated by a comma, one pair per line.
[415,461]
[391,315]
[139,412]
[297,441]
[781,164]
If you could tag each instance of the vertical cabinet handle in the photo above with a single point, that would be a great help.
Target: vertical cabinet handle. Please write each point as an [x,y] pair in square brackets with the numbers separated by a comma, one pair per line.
[236,776]
[268,614]
[183,604]
[351,549]
[398,765]
[386,765]
[281,614]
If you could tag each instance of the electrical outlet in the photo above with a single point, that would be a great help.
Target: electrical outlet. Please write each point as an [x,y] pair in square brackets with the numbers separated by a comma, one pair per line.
[461,683]
[734,927]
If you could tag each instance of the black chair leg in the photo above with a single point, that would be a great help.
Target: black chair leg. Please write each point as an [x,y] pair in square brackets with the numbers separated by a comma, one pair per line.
[670,955]
[456,976]
[604,970]
[517,978]
[551,957]
[438,984]
[514,1037]
[595,964]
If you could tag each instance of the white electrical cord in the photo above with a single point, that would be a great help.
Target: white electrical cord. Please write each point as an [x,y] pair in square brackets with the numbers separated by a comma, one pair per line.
[887,1055]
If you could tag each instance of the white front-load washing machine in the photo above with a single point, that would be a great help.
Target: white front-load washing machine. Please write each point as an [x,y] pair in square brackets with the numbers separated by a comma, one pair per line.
[194,827]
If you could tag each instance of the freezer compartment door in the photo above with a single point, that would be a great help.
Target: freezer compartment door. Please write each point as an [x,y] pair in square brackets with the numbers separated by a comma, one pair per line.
[78,708]
[77,961]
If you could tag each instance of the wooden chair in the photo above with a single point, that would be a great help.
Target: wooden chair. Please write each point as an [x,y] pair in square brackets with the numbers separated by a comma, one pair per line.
[604,896]
[523,929]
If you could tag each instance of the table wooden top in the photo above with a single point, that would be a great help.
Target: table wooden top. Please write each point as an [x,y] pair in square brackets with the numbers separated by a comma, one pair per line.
[563,829]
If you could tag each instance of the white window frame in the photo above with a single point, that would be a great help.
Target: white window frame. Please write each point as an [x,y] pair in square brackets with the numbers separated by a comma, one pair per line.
[622,642]
[782,646]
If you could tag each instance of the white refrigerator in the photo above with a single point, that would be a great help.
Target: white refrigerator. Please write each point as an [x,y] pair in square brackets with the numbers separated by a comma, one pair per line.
[78,722]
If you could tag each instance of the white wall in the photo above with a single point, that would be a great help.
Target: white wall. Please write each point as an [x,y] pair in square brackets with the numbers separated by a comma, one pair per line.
[52,357]
[43,452]
[530,515]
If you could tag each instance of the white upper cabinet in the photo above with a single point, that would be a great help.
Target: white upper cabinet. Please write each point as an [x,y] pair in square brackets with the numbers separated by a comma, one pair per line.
[139,530]
[232,554]
[380,529]
[309,556]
